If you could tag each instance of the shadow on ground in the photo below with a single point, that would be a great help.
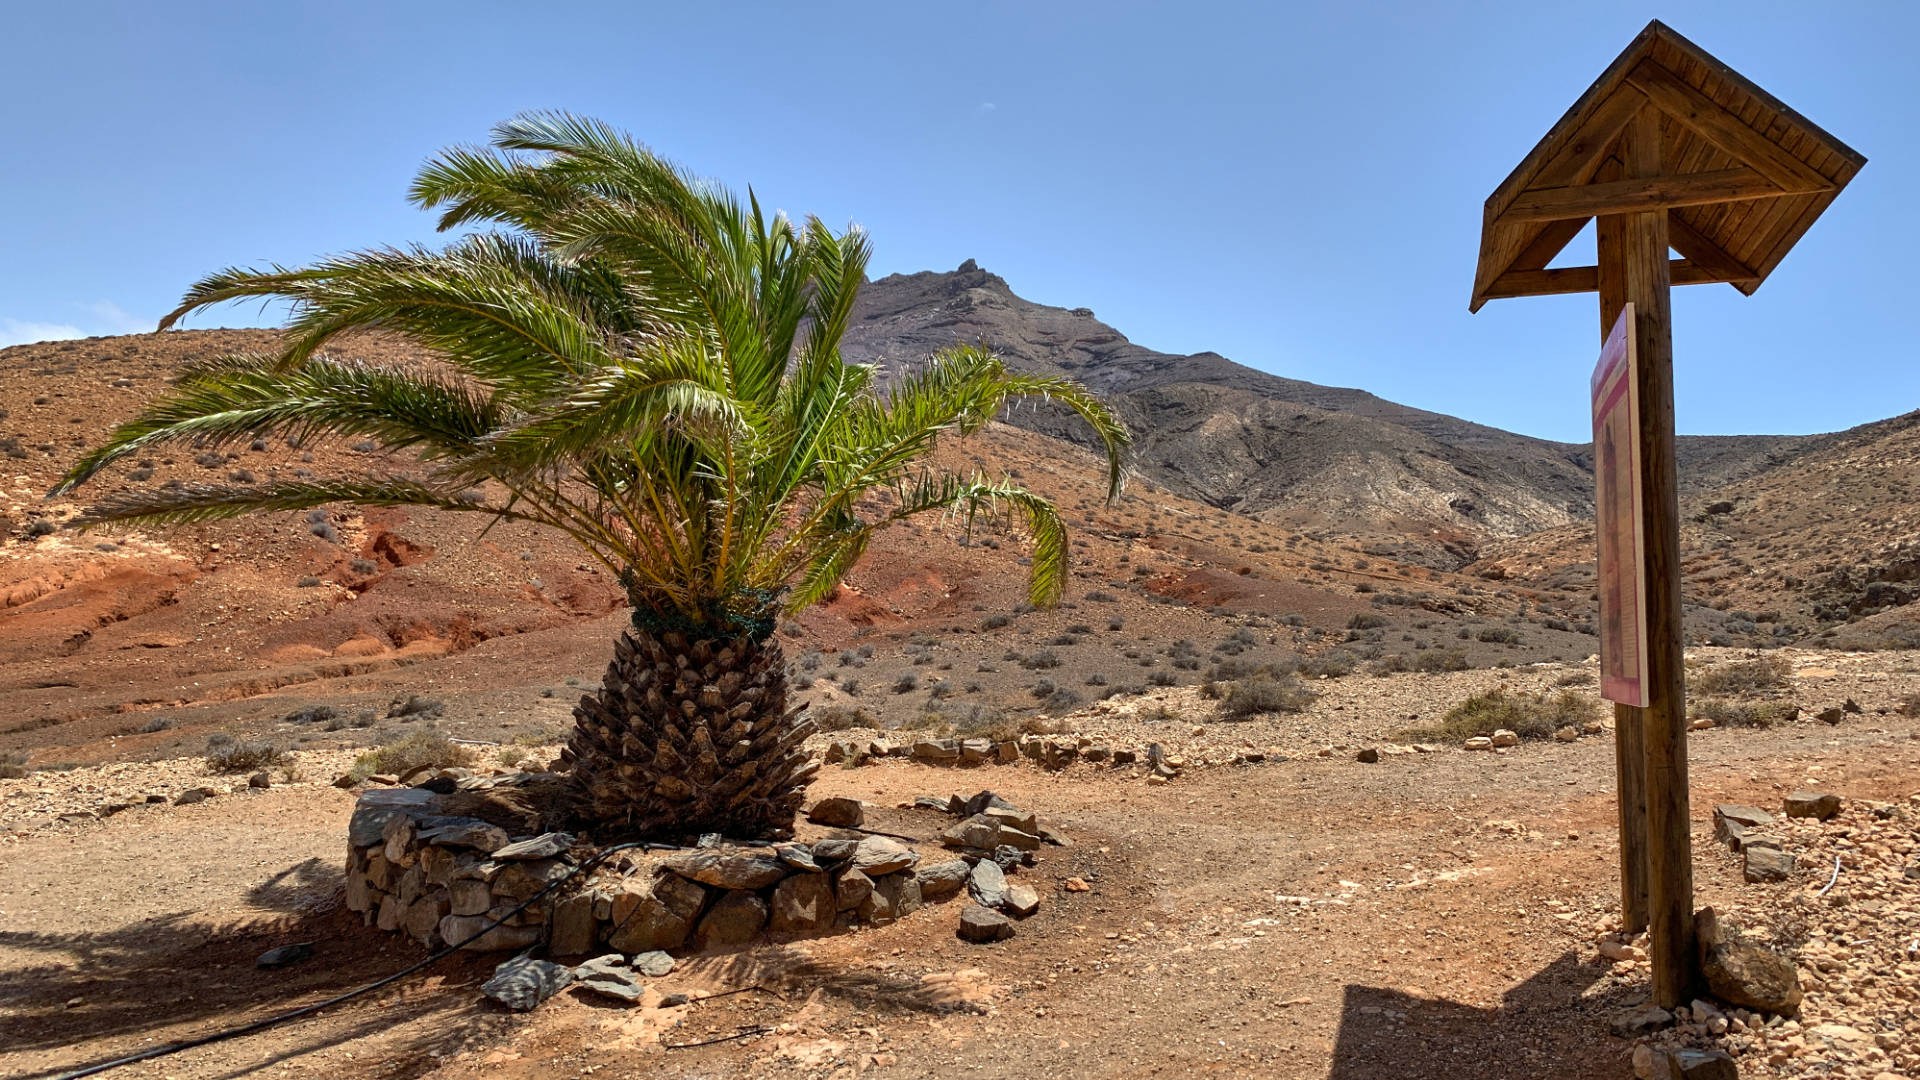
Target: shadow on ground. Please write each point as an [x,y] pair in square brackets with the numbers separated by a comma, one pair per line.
[1541,1030]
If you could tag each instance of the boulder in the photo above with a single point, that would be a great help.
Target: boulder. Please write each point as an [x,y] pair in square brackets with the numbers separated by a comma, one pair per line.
[1765,862]
[1367,756]
[657,917]
[653,964]
[456,929]
[470,896]
[1503,738]
[467,833]
[728,868]
[901,892]
[975,751]
[1686,1063]
[1010,817]
[1742,974]
[735,919]
[982,925]
[1020,900]
[979,832]
[851,889]
[982,801]
[987,884]
[424,915]
[942,879]
[877,855]
[837,811]
[574,929]
[1638,1021]
[611,976]
[936,751]
[523,982]
[802,906]
[1813,804]
[798,856]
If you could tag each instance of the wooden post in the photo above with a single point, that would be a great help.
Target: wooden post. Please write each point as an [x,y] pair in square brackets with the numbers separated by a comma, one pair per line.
[1629,738]
[1638,261]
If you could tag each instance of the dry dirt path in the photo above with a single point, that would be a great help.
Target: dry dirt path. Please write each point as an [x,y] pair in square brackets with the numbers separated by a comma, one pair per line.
[1426,916]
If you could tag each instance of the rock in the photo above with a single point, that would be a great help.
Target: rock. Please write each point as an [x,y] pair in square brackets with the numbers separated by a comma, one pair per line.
[837,849]
[440,785]
[1006,752]
[936,751]
[1010,817]
[930,802]
[802,906]
[982,925]
[877,855]
[1124,755]
[1851,706]
[735,919]
[837,811]
[374,809]
[653,964]
[975,751]
[942,879]
[851,890]
[192,795]
[1569,733]
[1015,838]
[1651,1063]
[573,928]
[1009,858]
[1367,756]
[1764,862]
[1503,738]
[1097,753]
[468,833]
[1640,1020]
[1478,742]
[525,880]
[798,856]
[456,929]
[544,846]
[346,780]
[1691,1064]
[1813,804]
[1051,835]
[1701,723]
[1743,975]
[611,976]
[392,915]
[837,752]
[979,833]
[1731,820]
[284,955]
[1021,900]
[1829,716]
[901,893]
[423,917]
[470,896]
[659,916]
[523,982]
[728,868]
[261,780]
[987,884]
[1619,950]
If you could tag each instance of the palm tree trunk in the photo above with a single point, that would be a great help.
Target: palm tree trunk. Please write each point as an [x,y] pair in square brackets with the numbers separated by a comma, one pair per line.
[690,737]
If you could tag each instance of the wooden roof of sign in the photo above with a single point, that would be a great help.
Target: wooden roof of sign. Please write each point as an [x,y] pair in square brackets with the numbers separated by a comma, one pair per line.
[1744,176]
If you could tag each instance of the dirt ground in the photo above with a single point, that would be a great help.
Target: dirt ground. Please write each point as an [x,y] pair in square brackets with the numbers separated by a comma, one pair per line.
[1425,916]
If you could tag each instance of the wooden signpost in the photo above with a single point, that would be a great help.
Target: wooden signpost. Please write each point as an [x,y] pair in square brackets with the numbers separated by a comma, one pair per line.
[1668,149]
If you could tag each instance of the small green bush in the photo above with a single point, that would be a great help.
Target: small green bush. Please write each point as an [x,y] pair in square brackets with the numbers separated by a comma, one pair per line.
[1728,713]
[416,749]
[1744,676]
[232,755]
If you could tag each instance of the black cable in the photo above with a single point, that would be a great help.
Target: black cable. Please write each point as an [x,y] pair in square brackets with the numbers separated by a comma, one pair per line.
[308,1010]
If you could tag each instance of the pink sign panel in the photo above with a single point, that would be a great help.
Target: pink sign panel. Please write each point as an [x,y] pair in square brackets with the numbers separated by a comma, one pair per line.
[1619,517]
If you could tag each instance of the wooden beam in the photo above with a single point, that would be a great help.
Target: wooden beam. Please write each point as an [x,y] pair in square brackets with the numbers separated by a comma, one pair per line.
[1701,251]
[1643,254]
[1551,240]
[1640,194]
[1722,128]
[1578,279]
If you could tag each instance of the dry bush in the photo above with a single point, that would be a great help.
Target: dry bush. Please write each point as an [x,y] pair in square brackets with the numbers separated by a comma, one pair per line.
[1910,705]
[13,764]
[1744,676]
[1437,660]
[1264,694]
[1530,716]
[414,750]
[230,755]
[1742,713]
[841,717]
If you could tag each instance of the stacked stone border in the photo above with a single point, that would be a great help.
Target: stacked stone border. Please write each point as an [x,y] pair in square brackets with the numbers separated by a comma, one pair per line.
[442,879]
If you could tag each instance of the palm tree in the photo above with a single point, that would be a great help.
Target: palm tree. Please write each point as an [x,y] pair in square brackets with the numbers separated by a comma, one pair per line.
[644,362]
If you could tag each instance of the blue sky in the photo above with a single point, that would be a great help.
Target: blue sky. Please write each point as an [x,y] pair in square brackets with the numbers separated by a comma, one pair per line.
[1297,187]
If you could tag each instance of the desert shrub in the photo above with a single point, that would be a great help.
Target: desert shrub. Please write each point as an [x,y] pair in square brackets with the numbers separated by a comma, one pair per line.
[1909,705]
[1438,660]
[1064,699]
[1116,623]
[307,582]
[1575,678]
[1499,635]
[364,566]
[1366,620]
[421,748]
[40,527]
[1043,660]
[906,682]
[1728,713]
[1250,697]
[415,707]
[157,724]
[1157,713]
[1390,664]
[1042,689]
[1329,664]
[1160,678]
[242,476]
[977,721]
[1096,679]
[13,764]
[841,717]
[232,755]
[1744,676]
[509,756]
[1098,597]
[1530,716]
[995,622]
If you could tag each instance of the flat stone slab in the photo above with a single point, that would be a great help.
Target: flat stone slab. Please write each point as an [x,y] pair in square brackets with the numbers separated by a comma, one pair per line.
[523,983]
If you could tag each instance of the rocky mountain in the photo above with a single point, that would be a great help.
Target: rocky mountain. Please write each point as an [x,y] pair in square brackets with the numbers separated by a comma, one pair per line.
[1404,481]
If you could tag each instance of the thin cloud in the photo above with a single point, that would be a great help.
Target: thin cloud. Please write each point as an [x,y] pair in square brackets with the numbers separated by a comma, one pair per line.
[103,317]
[984,108]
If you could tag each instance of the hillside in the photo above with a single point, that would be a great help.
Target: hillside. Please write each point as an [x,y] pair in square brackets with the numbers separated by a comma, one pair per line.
[1339,462]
